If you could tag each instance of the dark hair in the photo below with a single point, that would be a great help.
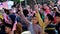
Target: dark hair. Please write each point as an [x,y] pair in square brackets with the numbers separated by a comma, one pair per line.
[50,17]
[25,12]
[6,11]
[43,9]
[57,14]
[33,17]
[8,25]
[54,9]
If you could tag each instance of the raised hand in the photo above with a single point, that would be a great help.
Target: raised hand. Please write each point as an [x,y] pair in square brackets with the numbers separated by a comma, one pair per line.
[22,15]
[36,7]
[21,10]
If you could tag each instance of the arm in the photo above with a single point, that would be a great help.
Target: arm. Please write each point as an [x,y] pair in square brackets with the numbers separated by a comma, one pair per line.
[23,17]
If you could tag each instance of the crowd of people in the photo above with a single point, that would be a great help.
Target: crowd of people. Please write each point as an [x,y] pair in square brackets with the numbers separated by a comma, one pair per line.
[43,19]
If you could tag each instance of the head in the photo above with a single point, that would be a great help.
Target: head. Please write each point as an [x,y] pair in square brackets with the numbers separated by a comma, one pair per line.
[41,11]
[51,3]
[57,15]
[8,28]
[25,12]
[13,10]
[48,19]
[39,6]
[45,6]
[58,2]
[28,8]
[35,6]
[12,18]
[34,20]
[6,11]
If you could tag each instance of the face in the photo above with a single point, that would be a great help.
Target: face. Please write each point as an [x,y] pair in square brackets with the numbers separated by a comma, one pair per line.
[46,20]
[41,11]
[45,5]
[52,4]
[57,19]
[40,6]
[34,20]
[28,8]
[7,29]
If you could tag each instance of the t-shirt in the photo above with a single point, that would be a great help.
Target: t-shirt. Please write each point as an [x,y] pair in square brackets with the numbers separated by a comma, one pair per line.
[30,28]
[50,31]
[34,29]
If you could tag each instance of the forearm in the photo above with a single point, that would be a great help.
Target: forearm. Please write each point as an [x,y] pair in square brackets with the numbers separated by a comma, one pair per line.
[23,17]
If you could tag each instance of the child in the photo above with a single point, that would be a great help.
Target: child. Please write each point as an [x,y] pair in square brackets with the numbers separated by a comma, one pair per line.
[8,28]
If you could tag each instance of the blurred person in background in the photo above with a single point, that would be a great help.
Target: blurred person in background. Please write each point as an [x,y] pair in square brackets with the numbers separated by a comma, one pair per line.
[29,10]
[41,11]
[50,28]
[42,14]
[54,10]
[2,26]
[46,9]
[8,28]
[58,22]
[51,5]
[32,25]
[58,5]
